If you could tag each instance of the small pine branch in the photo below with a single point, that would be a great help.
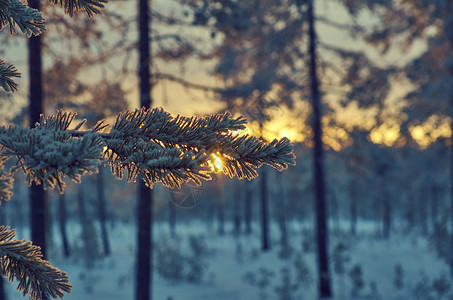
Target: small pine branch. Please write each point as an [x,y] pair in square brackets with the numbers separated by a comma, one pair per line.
[6,184]
[15,12]
[22,261]
[49,152]
[7,73]
[72,7]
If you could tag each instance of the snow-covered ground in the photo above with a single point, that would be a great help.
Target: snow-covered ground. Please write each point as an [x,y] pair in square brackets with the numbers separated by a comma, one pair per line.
[231,267]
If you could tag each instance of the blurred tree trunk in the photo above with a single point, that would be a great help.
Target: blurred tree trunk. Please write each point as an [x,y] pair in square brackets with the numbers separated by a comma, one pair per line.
[386,216]
[88,230]
[237,205]
[210,215]
[62,215]
[353,207]
[318,162]
[220,207]
[38,201]
[102,211]
[248,202]
[434,205]
[2,280]
[281,208]
[265,246]
[422,208]
[143,288]
[172,218]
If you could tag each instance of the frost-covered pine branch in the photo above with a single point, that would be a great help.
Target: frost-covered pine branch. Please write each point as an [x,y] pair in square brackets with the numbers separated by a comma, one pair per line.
[7,73]
[149,144]
[22,261]
[16,12]
[31,22]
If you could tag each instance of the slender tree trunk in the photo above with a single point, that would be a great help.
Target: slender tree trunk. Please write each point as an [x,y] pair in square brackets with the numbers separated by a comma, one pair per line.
[237,201]
[318,164]
[89,235]
[423,214]
[62,215]
[248,208]
[265,246]
[434,205]
[451,185]
[102,210]
[352,208]
[38,201]
[386,217]
[143,289]
[2,280]
[220,208]
[281,206]
[172,218]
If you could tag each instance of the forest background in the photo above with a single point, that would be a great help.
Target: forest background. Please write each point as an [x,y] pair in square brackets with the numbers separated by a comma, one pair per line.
[385,79]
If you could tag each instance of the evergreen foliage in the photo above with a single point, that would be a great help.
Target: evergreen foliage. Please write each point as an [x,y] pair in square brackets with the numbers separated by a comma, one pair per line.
[31,22]
[22,261]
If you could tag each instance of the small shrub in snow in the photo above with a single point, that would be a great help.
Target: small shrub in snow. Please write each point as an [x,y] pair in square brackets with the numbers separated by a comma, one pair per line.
[286,289]
[398,277]
[262,279]
[356,275]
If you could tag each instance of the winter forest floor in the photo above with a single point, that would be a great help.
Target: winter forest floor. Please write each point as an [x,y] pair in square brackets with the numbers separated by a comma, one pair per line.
[198,264]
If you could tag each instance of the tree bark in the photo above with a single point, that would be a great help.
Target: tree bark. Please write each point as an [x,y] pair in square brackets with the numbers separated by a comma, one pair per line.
[318,163]
[38,201]
[143,289]
[102,211]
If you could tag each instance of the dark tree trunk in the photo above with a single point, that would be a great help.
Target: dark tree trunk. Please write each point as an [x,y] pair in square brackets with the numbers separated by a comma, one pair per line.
[102,211]
[248,208]
[265,245]
[143,289]
[144,243]
[318,163]
[62,216]
[38,201]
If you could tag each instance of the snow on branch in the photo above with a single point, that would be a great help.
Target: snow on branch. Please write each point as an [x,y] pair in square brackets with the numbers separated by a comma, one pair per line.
[71,7]
[148,144]
[29,20]
[6,183]
[7,73]
[49,152]
[22,261]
